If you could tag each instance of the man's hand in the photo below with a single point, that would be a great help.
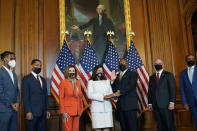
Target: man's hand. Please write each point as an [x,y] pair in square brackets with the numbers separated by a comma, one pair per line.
[15,106]
[48,115]
[150,107]
[171,106]
[117,93]
[113,75]
[74,27]
[186,107]
[29,116]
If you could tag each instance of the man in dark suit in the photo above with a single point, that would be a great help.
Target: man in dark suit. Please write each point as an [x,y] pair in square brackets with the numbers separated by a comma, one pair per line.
[9,93]
[101,24]
[188,82]
[35,98]
[124,88]
[162,96]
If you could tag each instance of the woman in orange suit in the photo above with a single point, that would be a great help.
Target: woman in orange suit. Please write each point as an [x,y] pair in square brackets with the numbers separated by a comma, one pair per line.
[70,96]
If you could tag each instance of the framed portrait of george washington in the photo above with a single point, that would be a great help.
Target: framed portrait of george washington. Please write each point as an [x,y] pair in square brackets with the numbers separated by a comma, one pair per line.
[99,17]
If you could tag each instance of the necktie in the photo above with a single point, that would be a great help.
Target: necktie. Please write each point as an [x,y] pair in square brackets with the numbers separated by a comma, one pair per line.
[39,81]
[157,79]
[190,74]
[121,74]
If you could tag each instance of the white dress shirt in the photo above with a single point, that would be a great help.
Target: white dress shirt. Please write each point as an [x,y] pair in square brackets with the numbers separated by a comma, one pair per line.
[35,75]
[122,74]
[160,72]
[190,70]
[10,73]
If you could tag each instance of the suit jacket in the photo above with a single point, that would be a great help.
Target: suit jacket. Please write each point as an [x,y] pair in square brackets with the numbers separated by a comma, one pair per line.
[70,98]
[99,30]
[35,98]
[188,89]
[128,94]
[9,91]
[96,92]
[161,94]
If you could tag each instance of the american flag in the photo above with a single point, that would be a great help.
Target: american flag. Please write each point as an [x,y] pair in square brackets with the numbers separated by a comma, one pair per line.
[135,64]
[64,59]
[87,63]
[112,60]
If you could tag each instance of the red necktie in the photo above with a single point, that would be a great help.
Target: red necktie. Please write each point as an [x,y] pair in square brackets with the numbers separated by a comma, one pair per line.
[39,81]
[157,79]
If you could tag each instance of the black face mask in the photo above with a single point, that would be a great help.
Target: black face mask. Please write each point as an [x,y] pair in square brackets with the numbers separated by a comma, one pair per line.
[190,63]
[71,75]
[122,67]
[158,67]
[100,74]
[37,70]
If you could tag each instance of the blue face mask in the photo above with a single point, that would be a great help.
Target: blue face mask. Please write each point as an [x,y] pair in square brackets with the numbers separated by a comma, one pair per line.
[100,74]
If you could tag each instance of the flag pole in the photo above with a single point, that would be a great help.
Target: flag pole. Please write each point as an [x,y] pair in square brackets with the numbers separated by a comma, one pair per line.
[87,35]
[67,35]
[110,34]
[132,35]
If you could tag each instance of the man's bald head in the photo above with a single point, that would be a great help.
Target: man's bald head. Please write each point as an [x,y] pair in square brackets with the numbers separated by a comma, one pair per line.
[158,61]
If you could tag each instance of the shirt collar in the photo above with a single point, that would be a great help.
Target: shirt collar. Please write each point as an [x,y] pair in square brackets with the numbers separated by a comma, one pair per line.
[124,71]
[34,74]
[191,67]
[9,70]
[159,71]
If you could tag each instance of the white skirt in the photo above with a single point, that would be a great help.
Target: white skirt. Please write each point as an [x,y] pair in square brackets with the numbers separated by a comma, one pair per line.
[102,120]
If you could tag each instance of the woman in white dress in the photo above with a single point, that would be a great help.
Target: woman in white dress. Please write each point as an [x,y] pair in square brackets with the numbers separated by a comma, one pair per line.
[101,108]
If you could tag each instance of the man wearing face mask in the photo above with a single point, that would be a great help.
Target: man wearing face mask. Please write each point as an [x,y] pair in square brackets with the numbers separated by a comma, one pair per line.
[9,93]
[124,87]
[188,82]
[35,98]
[162,97]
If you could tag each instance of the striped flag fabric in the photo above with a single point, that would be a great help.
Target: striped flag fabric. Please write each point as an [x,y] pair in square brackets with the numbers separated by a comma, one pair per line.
[135,64]
[111,62]
[64,59]
[112,59]
[87,63]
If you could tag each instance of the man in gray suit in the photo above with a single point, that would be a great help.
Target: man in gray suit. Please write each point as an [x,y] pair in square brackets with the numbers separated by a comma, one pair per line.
[9,93]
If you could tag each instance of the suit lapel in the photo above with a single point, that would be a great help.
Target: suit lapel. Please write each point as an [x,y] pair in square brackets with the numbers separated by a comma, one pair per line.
[162,76]
[194,75]
[124,76]
[7,75]
[36,80]
[186,76]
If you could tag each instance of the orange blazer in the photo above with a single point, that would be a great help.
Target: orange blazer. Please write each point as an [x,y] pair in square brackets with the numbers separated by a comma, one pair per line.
[70,99]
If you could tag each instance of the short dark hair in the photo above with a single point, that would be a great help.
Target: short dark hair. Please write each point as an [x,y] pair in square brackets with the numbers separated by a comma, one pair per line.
[34,61]
[94,76]
[188,56]
[6,54]
[66,74]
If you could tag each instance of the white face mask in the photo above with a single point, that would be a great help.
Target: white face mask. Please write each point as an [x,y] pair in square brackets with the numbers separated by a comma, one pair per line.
[12,63]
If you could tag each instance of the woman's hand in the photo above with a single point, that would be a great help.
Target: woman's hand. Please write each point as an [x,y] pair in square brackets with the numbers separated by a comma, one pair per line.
[65,117]
[113,75]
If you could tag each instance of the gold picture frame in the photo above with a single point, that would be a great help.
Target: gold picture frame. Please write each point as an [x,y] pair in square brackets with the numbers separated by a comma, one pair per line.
[62,17]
